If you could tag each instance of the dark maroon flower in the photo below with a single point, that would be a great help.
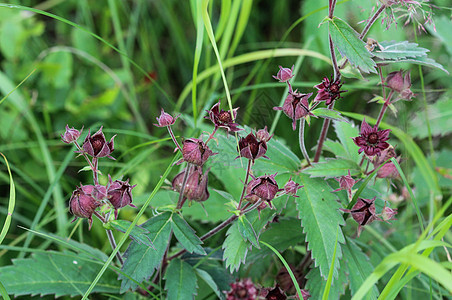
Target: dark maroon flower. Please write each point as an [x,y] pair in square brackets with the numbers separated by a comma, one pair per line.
[265,187]
[329,90]
[400,83]
[292,187]
[119,194]
[363,212]
[346,183]
[284,74]
[165,119]
[223,118]
[242,290]
[371,140]
[82,204]
[195,186]
[296,106]
[195,151]
[252,148]
[273,293]
[70,135]
[97,146]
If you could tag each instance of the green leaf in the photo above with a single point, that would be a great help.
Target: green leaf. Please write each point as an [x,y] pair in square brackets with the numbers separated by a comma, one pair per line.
[186,235]
[247,231]
[181,281]
[332,167]
[141,260]
[320,217]
[210,282]
[316,284]
[55,273]
[345,132]
[424,61]
[329,114]
[398,50]
[138,234]
[235,248]
[347,41]
[358,268]
[439,116]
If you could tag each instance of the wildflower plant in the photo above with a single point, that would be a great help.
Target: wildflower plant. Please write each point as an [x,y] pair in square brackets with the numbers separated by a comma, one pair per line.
[259,211]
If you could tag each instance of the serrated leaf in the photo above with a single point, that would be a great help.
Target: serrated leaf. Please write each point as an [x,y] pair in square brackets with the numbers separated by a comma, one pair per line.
[358,268]
[58,273]
[345,132]
[247,231]
[186,235]
[321,220]
[210,282]
[424,61]
[138,234]
[235,248]
[394,50]
[141,260]
[181,281]
[329,114]
[332,167]
[347,41]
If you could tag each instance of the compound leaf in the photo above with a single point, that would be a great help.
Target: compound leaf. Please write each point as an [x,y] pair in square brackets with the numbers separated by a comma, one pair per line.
[332,167]
[181,281]
[186,235]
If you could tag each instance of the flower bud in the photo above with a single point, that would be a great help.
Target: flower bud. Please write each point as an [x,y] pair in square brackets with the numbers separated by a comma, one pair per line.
[275,293]
[165,119]
[195,186]
[296,106]
[265,187]
[252,148]
[284,74]
[82,204]
[363,212]
[97,146]
[328,90]
[263,135]
[195,151]
[388,213]
[119,194]
[70,135]
[400,83]
[346,183]
[292,187]
[388,170]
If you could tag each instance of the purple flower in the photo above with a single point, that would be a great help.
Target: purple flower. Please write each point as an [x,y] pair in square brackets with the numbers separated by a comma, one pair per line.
[291,188]
[400,83]
[363,212]
[388,170]
[263,135]
[284,74]
[223,118]
[119,194]
[296,106]
[252,148]
[195,186]
[371,140]
[264,187]
[328,90]
[82,204]
[242,290]
[97,146]
[165,119]
[70,135]
[275,293]
[388,213]
[346,183]
[195,151]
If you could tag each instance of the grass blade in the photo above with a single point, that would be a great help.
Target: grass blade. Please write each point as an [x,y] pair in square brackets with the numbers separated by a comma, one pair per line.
[11,202]
[326,292]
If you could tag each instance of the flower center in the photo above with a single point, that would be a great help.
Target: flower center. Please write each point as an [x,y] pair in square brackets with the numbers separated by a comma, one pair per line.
[97,145]
[373,138]
[224,117]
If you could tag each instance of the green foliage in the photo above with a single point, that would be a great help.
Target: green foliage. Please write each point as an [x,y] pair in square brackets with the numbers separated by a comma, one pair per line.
[328,114]
[55,273]
[247,231]
[186,235]
[180,280]
[346,40]
[344,132]
[321,219]
[235,248]
[138,233]
[332,168]
[439,115]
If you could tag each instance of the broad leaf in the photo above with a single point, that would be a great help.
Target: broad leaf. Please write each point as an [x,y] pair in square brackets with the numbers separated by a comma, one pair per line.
[332,167]
[439,116]
[347,41]
[329,114]
[321,219]
[141,260]
[345,132]
[398,50]
[186,235]
[210,282]
[138,234]
[181,281]
[423,61]
[56,273]
[359,268]
[247,231]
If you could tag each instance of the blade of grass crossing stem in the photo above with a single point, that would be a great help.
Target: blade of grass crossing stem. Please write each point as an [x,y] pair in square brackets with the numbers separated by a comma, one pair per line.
[3,292]
[17,86]
[326,292]
[61,19]
[224,15]
[129,230]
[286,265]
[244,16]
[225,43]
[198,50]
[11,202]
[246,58]
[46,199]
[413,199]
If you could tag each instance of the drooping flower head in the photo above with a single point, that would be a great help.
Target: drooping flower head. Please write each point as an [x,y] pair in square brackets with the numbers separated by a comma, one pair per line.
[371,140]
[195,186]
[400,83]
[328,90]
[70,135]
[195,151]
[388,170]
[165,119]
[346,183]
[284,74]
[263,187]
[296,106]
[96,145]
[252,147]
[363,212]
[291,188]
[223,118]
[82,204]
[119,194]
[242,290]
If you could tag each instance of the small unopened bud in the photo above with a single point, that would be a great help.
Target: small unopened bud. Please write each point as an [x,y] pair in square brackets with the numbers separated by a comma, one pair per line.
[252,148]
[70,135]
[195,151]
[292,187]
[195,186]
[263,135]
[264,187]
[400,83]
[82,204]
[165,119]
[388,213]
[284,74]
[346,183]
[96,145]
[119,194]
[363,212]
[243,289]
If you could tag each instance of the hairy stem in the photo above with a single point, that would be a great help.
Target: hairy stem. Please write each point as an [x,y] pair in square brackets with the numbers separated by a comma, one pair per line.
[182,199]
[323,133]
[174,138]
[95,174]
[337,73]
[110,236]
[301,140]
[248,170]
